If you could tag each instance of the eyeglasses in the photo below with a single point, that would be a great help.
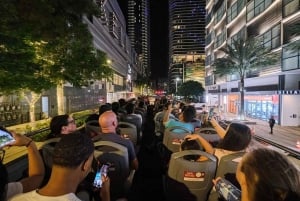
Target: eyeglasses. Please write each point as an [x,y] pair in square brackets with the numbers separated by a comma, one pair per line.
[2,154]
[71,121]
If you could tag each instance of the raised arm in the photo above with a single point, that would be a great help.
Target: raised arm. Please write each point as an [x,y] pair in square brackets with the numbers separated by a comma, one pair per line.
[36,165]
[221,132]
[167,114]
[206,145]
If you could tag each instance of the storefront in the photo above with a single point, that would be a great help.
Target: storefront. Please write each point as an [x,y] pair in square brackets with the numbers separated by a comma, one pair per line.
[262,106]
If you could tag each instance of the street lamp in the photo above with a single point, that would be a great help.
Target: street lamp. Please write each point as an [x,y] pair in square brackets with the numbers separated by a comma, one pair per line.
[176,81]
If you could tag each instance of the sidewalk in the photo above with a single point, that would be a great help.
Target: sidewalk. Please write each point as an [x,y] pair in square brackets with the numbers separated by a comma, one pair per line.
[283,135]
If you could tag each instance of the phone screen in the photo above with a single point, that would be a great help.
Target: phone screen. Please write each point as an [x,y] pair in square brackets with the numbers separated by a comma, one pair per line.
[5,138]
[98,177]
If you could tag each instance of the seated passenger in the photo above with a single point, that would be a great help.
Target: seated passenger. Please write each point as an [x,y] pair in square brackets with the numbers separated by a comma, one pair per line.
[185,119]
[158,119]
[72,160]
[62,125]
[35,174]
[236,138]
[135,119]
[105,107]
[188,144]
[108,122]
[265,174]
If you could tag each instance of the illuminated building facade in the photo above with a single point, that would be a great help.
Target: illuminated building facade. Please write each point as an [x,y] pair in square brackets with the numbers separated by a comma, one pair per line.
[186,41]
[273,90]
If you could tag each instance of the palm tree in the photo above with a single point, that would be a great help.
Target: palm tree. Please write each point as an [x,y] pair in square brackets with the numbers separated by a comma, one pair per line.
[240,57]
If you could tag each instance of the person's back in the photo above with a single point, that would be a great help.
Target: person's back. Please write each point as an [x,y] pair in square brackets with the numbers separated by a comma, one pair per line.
[108,122]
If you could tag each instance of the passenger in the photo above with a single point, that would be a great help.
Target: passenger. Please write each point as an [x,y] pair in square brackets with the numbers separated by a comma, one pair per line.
[236,138]
[184,119]
[35,174]
[188,144]
[265,174]
[108,122]
[158,119]
[62,125]
[72,160]
[105,107]
[135,119]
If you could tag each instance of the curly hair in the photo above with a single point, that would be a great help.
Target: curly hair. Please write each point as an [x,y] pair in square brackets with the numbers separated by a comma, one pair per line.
[72,150]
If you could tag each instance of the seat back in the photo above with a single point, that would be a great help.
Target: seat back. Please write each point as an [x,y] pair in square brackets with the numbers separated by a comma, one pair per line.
[196,176]
[135,121]
[128,129]
[92,127]
[172,140]
[210,134]
[227,164]
[47,151]
[116,155]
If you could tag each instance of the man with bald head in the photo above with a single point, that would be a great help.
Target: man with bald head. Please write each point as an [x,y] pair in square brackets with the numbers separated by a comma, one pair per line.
[108,123]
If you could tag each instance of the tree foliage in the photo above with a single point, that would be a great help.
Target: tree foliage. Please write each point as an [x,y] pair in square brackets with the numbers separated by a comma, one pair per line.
[45,42]
[190,89]
[242,56]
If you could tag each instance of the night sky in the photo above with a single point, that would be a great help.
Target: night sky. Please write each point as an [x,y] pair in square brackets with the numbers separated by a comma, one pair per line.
[158,36]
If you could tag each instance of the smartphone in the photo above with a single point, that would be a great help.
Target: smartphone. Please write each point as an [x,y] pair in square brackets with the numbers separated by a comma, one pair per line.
[99,174]
[5,137]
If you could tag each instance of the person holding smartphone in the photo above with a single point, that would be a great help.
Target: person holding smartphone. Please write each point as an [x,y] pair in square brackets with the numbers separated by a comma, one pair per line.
[72,161]
[36,167]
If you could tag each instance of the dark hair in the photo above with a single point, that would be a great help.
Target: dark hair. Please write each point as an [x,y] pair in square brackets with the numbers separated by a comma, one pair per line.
[122,102]
[130,108]
[270,176]
[237,137]
[104,108]
[189,113]
[115,106]
[191,145]
[3,182]
[57,123]
[72,150]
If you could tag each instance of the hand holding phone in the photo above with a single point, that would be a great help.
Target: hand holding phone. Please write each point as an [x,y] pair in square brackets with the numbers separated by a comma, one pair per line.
[5,137]
[101,172]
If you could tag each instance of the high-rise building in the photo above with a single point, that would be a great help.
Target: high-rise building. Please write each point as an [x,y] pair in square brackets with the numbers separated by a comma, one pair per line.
[272,91]
[187,41]
[138,30]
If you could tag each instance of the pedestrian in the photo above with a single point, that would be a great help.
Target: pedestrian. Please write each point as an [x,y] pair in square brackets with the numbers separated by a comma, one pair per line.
[271,123]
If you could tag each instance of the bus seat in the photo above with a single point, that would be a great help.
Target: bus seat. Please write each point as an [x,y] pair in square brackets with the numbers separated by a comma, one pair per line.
[196,176]
[172,140]
[130,130]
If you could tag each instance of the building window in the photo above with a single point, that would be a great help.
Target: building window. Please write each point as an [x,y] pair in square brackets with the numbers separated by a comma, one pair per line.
[290,7]
[221,38]
[239,35]
[290,59]
[271,38]
[256,7]
[235,9]
[220,13]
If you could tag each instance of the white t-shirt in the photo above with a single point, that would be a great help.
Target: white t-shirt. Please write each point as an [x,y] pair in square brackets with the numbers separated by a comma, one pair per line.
[34,196]
[13,188]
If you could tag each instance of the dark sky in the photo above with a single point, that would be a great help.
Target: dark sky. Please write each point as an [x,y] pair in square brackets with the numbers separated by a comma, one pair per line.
[158,36]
